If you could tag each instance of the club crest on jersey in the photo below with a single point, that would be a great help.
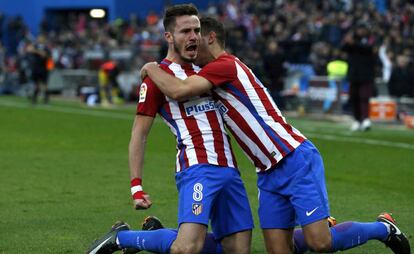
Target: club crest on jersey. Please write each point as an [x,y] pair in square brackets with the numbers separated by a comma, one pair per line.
[143,92]
[197,208]
[199,106]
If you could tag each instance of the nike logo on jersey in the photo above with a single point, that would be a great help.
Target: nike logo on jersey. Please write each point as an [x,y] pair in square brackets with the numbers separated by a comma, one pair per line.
[199,106]
[309,213]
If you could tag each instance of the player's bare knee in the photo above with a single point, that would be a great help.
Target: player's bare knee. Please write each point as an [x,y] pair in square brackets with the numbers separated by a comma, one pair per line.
[279,250]
[237,249]
[318,236]
[319,245]
[279,241]
[237,243]
[280,247]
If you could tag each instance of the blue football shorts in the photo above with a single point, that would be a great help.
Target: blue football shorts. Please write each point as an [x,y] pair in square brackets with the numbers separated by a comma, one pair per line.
[294,192]
[208,192]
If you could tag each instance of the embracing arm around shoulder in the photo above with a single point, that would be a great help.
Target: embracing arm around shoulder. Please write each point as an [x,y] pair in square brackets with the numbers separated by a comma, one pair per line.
[176,88]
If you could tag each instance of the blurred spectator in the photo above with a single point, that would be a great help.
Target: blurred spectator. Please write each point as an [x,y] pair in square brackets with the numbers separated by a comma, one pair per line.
[402,75]
[109,92]
[275,72]
[24,64]
[385,55]
[331,31]
[358,45]
[299,45]
[39,55]
[152,18]
[16,31]
[337,70]
[212,9]
[2,67]
[2,18]
[2,60]
[307,32]
[319,57]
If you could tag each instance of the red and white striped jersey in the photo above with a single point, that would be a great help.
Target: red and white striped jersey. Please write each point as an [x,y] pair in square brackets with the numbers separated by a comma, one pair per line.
[250,112]
[196,123]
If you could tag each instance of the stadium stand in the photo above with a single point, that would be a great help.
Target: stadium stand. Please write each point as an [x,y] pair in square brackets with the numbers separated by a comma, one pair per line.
[308,36]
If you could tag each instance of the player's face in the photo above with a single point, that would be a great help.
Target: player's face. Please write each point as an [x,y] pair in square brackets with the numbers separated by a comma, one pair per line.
[203,56]
[186,37]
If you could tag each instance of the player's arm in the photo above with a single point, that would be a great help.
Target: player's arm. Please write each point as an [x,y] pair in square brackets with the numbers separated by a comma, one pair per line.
[173,87]
[140,131]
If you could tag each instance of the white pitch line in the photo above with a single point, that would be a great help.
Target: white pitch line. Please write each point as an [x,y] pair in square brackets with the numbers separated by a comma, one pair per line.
[123,116]
[62,109]
[363,141]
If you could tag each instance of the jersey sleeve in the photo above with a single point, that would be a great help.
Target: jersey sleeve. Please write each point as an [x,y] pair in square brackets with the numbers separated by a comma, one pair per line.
[150,98]
[219,72]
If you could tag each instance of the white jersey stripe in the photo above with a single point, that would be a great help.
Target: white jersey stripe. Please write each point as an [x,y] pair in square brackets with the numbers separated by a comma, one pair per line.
[255,126]
[260,108]
[249,89]
[188,142]
[178,71]
[252,146]
[176,112]
[202,147]
[227,145]
[291,141]
[250,112]
[208,139]
[226,139]
[177,135]
[228,153]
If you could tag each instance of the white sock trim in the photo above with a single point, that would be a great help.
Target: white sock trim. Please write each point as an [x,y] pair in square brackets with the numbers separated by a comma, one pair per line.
[387,226]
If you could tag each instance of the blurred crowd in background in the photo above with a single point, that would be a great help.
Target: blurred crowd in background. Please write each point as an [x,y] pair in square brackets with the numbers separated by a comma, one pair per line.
[273,37]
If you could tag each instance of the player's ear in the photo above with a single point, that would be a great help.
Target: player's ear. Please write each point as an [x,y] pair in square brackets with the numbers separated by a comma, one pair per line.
[168,37]
[211,37]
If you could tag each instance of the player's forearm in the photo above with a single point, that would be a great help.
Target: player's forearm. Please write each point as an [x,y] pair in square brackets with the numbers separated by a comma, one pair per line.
[140,130]
[136,156]
[169,85]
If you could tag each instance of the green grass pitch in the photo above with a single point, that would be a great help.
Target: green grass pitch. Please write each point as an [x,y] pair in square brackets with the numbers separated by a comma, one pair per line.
[64,175]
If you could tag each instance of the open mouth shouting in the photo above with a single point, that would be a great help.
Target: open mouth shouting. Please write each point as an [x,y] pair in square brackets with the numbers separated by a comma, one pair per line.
[191,50]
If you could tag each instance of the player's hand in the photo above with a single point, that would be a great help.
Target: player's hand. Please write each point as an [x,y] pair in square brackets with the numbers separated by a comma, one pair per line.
[143,203]
[141,199]
[143,73]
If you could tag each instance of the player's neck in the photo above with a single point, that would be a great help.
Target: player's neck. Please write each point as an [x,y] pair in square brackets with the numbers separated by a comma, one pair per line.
[217,51]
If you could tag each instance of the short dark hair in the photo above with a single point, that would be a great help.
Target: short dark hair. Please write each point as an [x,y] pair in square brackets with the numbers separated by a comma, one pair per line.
[209,24]
[176,11]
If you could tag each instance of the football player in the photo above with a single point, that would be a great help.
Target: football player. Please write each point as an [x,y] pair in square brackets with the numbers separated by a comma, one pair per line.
[209,184]
[291,178]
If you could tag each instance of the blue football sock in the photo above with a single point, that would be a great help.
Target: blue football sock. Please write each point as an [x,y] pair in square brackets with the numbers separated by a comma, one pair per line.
[158,241]
[346,235]
[211,245]
[351,234]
